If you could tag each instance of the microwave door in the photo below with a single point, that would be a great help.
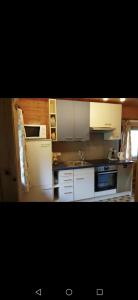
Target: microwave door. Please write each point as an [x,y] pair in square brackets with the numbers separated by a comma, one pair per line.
[32,131]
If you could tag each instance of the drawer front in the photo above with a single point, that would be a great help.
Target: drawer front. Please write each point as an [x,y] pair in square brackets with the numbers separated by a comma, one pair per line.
[65,174]
[68,181]
[85,172]
[66,193]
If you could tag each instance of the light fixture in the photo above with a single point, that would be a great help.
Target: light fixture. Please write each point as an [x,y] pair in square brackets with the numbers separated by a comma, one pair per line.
[122,99]
[105,99]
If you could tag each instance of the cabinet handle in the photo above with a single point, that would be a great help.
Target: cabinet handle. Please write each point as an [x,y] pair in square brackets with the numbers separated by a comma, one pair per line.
[80,178]
[68,186]
[110,172]
[67,179]
[107,124]
[68,138]
[67,193]
[67,174]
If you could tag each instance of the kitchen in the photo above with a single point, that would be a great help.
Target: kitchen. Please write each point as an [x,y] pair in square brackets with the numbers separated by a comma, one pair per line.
[77,150]
[90,129]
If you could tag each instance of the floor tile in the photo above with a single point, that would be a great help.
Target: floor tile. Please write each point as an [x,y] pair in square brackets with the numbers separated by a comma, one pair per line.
[120,199]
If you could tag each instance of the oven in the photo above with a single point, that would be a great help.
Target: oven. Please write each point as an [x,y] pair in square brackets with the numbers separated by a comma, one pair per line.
[106,180]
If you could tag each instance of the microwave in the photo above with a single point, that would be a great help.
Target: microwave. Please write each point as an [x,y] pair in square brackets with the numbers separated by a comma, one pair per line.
[35,131]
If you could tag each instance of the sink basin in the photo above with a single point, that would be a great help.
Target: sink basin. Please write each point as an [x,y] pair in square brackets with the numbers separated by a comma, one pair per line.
[76,163]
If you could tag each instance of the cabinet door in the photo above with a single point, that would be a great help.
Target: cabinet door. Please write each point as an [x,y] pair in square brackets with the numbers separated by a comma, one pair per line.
[65,120]
[66,193]
[81,120]
[124,178]
[100,115]
[83,184]
[107,115]
[116,117]
[39,153]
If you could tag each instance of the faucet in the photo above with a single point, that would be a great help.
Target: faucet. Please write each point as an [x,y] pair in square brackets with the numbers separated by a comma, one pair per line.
[82,155]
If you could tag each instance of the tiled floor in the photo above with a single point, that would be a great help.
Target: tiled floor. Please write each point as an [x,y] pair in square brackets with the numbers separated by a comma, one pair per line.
[119,199]
[114,199]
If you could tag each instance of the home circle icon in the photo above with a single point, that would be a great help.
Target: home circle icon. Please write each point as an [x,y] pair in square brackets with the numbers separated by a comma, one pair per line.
[69,292]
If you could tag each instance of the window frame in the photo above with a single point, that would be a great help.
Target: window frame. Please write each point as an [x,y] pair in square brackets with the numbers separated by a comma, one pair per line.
[133,129]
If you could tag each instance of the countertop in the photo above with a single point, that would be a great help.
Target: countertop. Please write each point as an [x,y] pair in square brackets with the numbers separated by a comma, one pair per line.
[93,163]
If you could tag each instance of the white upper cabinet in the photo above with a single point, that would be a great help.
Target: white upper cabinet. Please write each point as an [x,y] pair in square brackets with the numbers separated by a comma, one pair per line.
[100,115]
[116,119]
[106,115]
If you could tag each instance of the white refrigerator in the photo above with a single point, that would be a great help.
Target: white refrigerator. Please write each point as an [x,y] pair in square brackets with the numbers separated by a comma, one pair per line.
[39,156]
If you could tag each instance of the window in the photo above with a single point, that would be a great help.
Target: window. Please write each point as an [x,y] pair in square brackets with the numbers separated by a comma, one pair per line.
[134,143]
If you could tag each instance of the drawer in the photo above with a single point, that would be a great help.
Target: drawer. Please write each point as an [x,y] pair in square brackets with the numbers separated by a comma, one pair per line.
[66,194]
[65,181]
[65,174]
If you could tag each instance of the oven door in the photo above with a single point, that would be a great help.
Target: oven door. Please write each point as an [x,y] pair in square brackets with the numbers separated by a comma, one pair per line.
[105,181]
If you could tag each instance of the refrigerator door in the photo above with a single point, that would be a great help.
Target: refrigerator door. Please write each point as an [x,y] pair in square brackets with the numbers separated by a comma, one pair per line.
[39,154]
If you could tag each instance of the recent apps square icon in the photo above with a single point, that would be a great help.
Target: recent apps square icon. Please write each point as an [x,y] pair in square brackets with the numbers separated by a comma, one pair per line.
[99,292]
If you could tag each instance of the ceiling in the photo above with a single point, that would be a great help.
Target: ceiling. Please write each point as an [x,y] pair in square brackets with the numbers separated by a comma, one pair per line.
[128,102]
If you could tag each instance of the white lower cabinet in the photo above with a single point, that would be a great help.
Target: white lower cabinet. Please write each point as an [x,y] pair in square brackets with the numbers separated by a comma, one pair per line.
[76,184]
[66,189]
[66,193]
[83,184]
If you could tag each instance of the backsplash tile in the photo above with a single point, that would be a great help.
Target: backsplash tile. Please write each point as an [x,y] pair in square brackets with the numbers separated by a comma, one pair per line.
[96,148]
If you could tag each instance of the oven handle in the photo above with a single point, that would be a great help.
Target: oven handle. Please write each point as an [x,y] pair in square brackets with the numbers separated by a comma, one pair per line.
[111,172]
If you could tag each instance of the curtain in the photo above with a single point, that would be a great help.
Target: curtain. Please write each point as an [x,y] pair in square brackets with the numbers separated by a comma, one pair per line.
[126,140]
[23,153]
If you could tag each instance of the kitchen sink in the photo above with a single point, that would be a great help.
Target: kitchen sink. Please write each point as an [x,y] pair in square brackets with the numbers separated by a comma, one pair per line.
[78,163]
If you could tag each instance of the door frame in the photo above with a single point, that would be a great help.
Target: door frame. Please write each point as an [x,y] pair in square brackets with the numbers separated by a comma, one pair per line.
[136,183]
[10,175]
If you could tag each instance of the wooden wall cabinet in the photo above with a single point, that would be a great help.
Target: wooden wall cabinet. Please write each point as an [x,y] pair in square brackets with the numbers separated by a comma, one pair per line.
[72,120]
